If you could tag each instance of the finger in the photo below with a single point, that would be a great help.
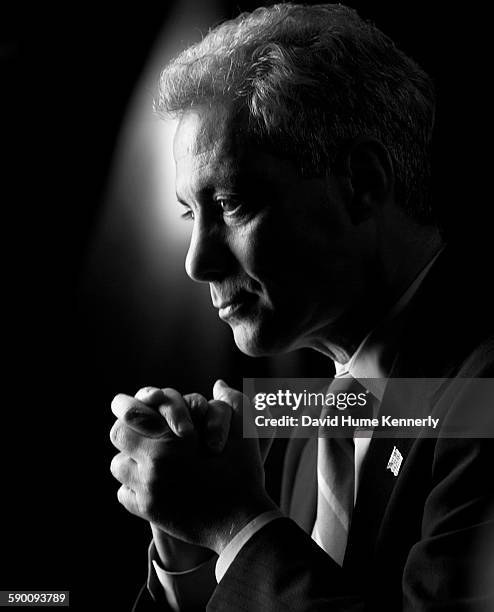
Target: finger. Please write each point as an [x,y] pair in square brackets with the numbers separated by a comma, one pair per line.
[210,418]
[176,413]
[198,407]
[197,404]
[128,499]
[217,424]
[124,469]
[129,441]
[139,417]
[151,396]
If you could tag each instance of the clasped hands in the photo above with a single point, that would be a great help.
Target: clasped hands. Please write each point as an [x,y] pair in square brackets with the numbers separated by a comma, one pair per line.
[185,466]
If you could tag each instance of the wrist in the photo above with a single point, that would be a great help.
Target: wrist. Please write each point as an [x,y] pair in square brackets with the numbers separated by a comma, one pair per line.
[242,517]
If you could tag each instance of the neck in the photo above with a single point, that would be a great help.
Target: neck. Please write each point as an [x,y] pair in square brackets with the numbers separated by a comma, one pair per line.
[397,266]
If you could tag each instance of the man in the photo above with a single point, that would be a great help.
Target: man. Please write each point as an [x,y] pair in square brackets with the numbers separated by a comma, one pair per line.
[302,158]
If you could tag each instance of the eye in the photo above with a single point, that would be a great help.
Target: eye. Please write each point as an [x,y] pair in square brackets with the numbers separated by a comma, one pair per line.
[188,215]
[229,206]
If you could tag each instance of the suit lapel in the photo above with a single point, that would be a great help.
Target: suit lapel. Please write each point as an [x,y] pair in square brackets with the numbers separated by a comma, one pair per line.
[380,471]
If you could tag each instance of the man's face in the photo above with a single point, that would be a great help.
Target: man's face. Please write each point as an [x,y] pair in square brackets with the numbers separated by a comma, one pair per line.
[284,262]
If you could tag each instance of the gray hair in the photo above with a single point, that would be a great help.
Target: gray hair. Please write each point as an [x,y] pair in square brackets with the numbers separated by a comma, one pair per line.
[311,79]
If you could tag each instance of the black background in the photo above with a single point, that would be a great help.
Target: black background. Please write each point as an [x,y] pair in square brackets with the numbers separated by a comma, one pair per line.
[67,74]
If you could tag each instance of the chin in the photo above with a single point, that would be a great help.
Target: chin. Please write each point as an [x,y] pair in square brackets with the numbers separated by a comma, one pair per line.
[256,342]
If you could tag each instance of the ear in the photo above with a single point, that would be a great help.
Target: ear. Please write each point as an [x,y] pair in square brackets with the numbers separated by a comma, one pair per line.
[368,169]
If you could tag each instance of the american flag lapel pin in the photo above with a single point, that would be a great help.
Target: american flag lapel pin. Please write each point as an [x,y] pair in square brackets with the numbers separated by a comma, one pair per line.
[395,461]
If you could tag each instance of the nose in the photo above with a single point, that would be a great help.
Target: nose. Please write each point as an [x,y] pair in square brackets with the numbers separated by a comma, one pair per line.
[209,256]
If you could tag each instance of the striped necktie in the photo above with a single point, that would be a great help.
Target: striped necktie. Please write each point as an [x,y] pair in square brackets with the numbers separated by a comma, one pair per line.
[335,482]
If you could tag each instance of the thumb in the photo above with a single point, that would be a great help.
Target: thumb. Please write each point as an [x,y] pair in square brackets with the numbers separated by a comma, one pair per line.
[224,393]
[238,401]
[234,398]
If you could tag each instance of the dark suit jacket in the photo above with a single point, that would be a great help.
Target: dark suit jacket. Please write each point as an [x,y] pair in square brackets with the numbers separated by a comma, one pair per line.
[423,540]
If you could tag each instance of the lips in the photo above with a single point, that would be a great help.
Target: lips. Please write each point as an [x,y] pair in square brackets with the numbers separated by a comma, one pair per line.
[232,306]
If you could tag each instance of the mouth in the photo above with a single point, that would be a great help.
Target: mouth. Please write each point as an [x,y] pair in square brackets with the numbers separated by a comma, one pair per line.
[235,306]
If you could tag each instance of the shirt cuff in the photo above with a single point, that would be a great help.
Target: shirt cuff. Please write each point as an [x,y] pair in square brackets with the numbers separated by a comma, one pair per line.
[232,549]
[182,590]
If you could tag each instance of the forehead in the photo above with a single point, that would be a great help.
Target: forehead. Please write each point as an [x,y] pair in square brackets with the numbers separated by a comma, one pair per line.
[202,129]
[209,142]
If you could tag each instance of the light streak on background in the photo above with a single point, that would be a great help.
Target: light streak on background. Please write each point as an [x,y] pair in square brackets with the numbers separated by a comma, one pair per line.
[152,321]
[142,298]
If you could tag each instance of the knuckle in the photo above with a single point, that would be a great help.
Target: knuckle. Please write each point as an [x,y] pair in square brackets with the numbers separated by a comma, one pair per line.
[117,400]
[119,468]
[148,394]
[173,399]
[115,465]
[113,433]
[148,389]
[117,435]
[122,495]
[195,400]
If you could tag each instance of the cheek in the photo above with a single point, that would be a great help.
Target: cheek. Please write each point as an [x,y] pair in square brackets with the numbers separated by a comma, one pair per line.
[298,258]
[267,251]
